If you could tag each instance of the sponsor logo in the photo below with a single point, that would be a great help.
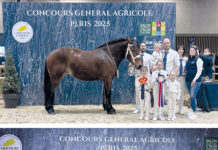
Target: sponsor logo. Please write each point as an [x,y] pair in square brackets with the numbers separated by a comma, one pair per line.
[10,142]
[22,32]
[210,143]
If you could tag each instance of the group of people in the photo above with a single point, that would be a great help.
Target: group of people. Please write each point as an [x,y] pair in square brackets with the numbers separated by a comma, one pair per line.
[168,74]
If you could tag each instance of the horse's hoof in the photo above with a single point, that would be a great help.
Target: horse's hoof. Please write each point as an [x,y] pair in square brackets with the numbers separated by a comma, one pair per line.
[112,111]
[51,112]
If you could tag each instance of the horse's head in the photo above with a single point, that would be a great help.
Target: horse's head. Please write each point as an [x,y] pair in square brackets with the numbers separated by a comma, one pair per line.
[133,53]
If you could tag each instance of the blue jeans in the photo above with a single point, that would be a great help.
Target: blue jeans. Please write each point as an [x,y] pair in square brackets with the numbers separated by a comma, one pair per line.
[193,91]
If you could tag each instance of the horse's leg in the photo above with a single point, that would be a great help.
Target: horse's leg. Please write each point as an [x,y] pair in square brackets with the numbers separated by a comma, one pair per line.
[50,83]
[104,98]
[49,98]
[107,88]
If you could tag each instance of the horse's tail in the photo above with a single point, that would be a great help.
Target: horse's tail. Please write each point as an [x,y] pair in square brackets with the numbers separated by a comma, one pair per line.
[47,87]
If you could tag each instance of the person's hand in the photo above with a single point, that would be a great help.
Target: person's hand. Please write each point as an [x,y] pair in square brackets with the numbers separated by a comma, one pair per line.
[193,83]
[157,78]
[130,65]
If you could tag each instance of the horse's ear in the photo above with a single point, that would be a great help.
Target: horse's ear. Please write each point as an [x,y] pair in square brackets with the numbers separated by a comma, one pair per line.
[129,40]
[135,43]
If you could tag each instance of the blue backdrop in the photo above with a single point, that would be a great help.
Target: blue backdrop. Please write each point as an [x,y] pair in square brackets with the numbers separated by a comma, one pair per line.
[94,139]
[75,29]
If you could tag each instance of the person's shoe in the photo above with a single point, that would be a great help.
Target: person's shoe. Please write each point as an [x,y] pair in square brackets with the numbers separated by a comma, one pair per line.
[173,118]
[190,113]
[181,112]
[169,118]
[141,117]
[154,118]
[192,116]
[146,118]
[135,111]
[161,118]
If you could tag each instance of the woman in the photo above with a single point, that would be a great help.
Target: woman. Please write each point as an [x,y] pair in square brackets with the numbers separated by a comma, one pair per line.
[181,76]
[194,68]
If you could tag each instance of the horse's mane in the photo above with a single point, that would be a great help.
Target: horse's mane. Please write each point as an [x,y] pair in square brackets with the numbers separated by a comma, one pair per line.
[112,42]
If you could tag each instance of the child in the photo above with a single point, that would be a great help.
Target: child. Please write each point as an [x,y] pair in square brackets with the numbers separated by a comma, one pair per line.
[207,65]
[143,81]
[172,94]
[157,54]
[158,81]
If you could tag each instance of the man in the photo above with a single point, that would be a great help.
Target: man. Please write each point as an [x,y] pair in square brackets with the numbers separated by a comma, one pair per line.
[147,62]
[207,65]
[170,57]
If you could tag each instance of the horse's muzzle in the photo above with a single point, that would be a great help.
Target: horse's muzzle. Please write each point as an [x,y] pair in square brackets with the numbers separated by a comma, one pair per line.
[139,66]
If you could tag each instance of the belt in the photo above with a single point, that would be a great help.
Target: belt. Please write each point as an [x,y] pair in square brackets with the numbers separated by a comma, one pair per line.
[180,76]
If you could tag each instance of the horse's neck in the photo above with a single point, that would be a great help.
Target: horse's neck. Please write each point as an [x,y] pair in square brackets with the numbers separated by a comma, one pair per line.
[118,53]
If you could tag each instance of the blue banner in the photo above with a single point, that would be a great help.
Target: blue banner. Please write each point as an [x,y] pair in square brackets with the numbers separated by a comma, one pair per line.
[110,139]
[49,26]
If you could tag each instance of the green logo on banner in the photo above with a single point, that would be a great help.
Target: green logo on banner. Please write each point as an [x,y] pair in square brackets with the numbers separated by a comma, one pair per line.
[144,29]
[211,143]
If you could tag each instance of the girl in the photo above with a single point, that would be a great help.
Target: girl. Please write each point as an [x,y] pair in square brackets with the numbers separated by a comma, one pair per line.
[181,76]
[143,82]
[172,95]
[157,54]
[158,81]
[193,67]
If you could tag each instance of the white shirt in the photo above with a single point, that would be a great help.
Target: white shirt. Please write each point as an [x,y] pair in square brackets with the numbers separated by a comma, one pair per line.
[155,75]
[156,56]
[199,64]
[147,61]
[184,60]
[173,87]
[172,60]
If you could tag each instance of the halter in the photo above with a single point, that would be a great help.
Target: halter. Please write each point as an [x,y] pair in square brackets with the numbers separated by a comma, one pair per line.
[128,51]
[114,63]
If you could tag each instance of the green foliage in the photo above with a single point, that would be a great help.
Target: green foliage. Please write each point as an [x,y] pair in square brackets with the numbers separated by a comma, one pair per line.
[11,84]
[9,142]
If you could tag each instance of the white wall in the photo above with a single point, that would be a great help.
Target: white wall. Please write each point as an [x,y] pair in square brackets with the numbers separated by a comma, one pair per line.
[192,16]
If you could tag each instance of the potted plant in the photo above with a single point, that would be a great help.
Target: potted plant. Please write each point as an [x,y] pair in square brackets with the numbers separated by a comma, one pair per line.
[11,84]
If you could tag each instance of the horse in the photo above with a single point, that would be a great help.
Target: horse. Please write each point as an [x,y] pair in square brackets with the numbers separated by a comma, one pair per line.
[88,65]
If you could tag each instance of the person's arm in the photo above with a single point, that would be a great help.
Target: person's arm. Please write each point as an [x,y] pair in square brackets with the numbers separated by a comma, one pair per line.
[137,82]
[199,64]
[199,71]
[176,61]
[131,69]
[153,78]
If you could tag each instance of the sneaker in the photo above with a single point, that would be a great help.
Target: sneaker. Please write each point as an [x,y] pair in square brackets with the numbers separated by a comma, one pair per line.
[193,116]
[146,118]
[169,118]
[181,112]
[173,119]
[190,113]
[141,117]
[161,118]
[154,118]
[135,111]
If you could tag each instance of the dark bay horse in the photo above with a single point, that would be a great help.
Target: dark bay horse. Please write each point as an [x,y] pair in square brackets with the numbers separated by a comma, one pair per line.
[98,64]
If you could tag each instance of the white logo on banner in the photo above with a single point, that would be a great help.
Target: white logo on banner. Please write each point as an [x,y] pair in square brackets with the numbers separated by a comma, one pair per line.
[10,142]
[22,32]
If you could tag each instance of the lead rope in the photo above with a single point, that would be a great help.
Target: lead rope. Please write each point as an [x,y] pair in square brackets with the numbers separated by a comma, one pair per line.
[114,63]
